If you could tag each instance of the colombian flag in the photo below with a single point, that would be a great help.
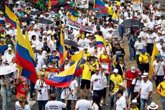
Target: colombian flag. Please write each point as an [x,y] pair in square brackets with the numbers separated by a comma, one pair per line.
[78,58]
[100,41]
[100,4]
[63,79]
[10,17]
[25,56]
[62,50]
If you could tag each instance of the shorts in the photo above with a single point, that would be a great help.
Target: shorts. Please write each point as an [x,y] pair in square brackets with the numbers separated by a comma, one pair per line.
[85,84]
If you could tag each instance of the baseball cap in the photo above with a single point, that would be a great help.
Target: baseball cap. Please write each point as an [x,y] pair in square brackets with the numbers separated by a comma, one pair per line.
[9,48]
[134,101]
[133,69]
[43,66]
[115,70]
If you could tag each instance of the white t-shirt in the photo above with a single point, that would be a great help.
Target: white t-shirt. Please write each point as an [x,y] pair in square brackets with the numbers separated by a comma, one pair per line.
[139,45]
[150,38]
[65,92]
[55,105]
[137,85]
[83,104]
[41,86]
[97,81]
[18,106]
[146,87]
[121,103]
[158,68]
[73,86]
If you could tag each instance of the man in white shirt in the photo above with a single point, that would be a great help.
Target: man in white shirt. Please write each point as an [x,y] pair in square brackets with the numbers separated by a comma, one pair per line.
[136,85]
[150,40]
[53,104]
[71,94]
[42,92]
[83,103]
[139,44]
[158,66]
[145,91]
[121,101]
[97,84]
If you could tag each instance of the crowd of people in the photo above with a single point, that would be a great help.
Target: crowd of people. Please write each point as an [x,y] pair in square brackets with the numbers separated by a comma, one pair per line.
[105,80]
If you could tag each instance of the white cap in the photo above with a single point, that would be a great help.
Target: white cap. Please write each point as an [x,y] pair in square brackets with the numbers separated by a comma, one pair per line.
[133,69]
[115,70]
[32,22]
[134,101]
[7,26]
[139,36]
[145,75]
[9,48]
[44,66]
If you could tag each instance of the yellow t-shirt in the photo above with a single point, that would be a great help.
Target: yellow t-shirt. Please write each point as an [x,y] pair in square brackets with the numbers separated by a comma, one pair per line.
[135,108]
[116,80]
[144,58]
[103,56]
[94,65]
[110,10]
[86,74]
[86,55]
[161,87]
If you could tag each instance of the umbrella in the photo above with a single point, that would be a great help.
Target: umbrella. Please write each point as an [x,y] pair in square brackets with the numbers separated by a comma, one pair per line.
[71,43]
[96,9]
[35,13]
[61,4]
[102,15]
[5,70]
[45,21]
[132,23]
[25,19]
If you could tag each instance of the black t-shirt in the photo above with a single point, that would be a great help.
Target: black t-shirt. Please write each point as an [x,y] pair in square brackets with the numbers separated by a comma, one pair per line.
[119,52]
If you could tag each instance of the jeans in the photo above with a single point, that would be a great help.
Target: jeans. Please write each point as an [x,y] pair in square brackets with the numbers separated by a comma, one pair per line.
[31,89]
[69,105]
[41,104]
[112,100]
[129,91]
[143,103]
[162,99]
[4,100]
[137,60]
[132,52]
[58,92]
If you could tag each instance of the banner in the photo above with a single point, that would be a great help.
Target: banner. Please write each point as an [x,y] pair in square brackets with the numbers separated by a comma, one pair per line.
[82,3]
[136,1]
[75,24]
[136,5]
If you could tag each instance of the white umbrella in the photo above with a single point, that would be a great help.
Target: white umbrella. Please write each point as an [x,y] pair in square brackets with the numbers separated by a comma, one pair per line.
[4,70]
